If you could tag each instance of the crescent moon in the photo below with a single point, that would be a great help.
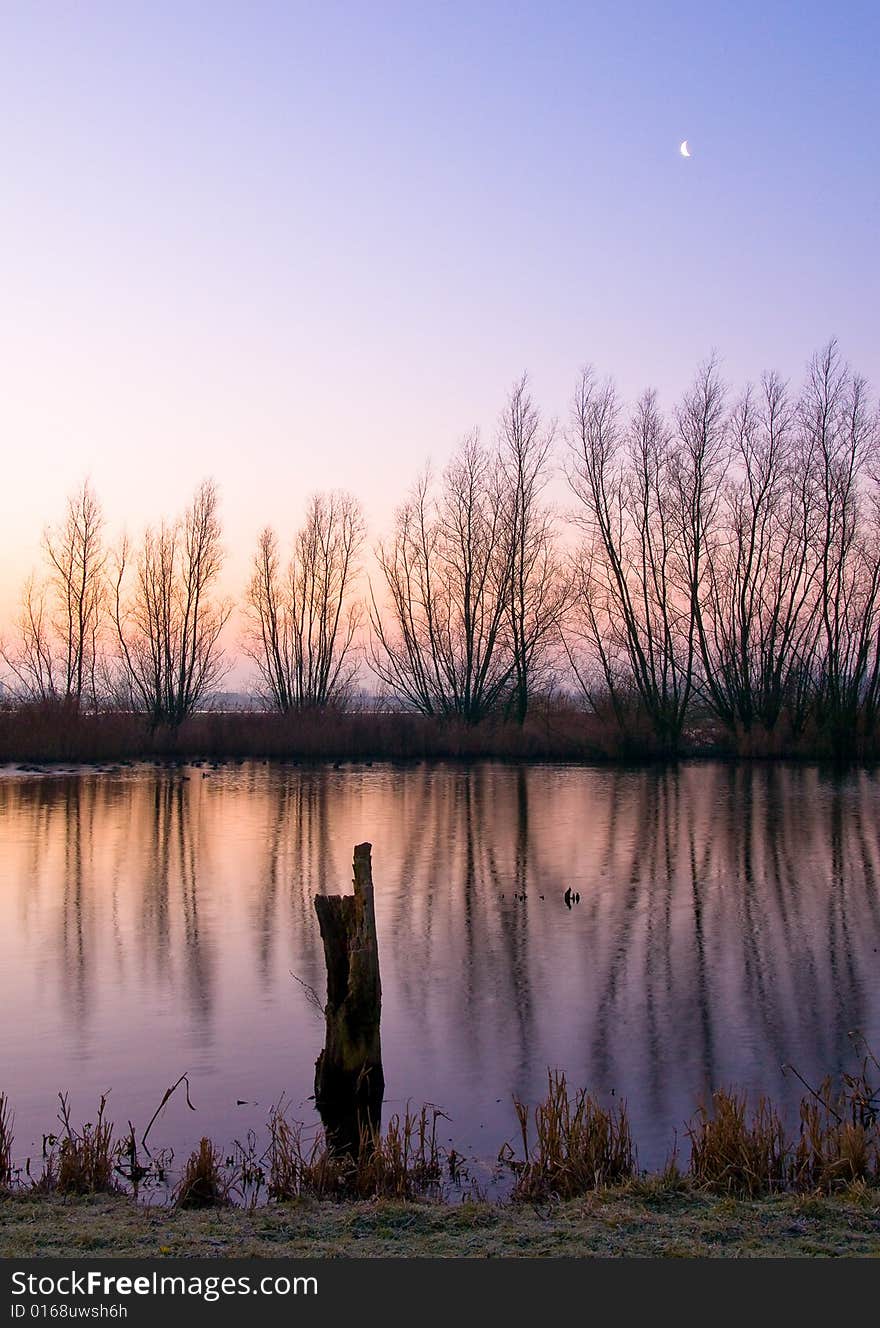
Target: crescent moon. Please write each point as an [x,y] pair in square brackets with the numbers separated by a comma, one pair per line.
[685,152]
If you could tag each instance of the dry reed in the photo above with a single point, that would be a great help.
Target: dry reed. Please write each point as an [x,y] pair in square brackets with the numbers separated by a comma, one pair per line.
[6,1140]
[732,1153]
[296,1168]
[579,1146]
[401,1162]
[47,732]
[80,1161]
[204,1183]
[839,1137]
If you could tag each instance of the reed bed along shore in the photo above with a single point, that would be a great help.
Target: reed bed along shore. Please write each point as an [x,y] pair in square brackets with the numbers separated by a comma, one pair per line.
[44,733]
[570,1145]
[47,733]
[748,1189]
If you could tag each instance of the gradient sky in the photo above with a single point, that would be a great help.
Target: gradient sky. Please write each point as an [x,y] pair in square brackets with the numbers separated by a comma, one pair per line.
[302,245]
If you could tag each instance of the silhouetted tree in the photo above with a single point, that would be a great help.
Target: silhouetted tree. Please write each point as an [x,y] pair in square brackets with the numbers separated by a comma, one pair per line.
[169,622]
[872,673]
[760,608]
[443,648]
[302,622]
[729,563]
[841,443]
[56,654]
[701,457]
[538,589]
[633,606]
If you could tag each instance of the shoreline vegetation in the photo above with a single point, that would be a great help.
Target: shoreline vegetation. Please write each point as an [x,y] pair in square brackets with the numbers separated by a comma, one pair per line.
[749,1185]
[625,1222]
[55,732]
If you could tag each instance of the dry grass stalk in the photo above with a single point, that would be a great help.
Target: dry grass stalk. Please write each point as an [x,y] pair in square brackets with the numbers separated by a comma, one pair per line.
[81,1161]
[579,1146]
[6,1140]
[839,1138]
[734,1154]
[203,1183]
[47,731]
[401,1162]
[296,1168]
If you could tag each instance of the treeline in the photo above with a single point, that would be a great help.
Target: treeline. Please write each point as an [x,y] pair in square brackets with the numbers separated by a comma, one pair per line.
[718,564]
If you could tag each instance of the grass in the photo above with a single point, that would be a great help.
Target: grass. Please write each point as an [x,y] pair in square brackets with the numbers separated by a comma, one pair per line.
[838,1142]
[401,1162]
[840,1129]
[579,1145]
[56,733]
[204,1183]
[80,1161]
[749,1190]
[673,1222]
[45,733]
[734,1153]
[555,730]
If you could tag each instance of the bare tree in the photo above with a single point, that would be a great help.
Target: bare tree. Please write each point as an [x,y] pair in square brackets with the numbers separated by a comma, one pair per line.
[447,572]
[32,660]
[268,640]
[59,625]
[701,460]
[871,700]
[759,607]
[302,623]
[841,442]
[633,608]
[170,620]
[538,589]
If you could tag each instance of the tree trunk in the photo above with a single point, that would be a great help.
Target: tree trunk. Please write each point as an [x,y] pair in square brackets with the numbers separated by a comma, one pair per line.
[349,1083]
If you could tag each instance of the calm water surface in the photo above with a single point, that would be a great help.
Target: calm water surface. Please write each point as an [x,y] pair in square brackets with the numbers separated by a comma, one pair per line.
[151,922]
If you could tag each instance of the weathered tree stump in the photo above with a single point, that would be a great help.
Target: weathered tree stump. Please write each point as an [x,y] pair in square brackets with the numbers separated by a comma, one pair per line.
[349,1083]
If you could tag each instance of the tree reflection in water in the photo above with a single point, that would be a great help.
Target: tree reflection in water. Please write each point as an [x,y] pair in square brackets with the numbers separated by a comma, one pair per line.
[729,921]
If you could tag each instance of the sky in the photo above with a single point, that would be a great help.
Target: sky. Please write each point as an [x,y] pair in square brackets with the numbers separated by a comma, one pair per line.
[302,246]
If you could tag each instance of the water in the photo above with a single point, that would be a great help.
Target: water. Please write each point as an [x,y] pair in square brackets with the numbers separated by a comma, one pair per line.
[151,922]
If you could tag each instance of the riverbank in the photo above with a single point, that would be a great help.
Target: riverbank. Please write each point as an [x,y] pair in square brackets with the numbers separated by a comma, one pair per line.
[37,734]
[639,1220]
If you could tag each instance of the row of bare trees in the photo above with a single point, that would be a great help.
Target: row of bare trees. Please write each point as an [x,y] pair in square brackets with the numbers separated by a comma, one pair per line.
[475,578]
[731,555]
[721,560]
[57,651]
[134,628]
[141,627]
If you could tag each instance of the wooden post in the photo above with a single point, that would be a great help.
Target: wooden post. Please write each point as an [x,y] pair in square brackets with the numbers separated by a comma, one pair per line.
[349,1083]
